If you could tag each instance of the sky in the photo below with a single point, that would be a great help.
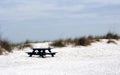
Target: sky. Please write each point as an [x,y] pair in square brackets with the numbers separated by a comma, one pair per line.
[39,20]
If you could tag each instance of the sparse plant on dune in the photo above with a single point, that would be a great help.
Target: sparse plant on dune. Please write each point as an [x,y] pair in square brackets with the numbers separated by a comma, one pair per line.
[111,35]
[58,43]
[85,41]
[111,41]
[5,45]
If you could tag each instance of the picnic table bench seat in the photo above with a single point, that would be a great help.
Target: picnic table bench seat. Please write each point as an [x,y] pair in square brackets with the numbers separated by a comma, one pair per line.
[41,54]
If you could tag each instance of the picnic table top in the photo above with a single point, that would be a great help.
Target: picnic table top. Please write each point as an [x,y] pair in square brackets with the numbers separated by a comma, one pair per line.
[42,48]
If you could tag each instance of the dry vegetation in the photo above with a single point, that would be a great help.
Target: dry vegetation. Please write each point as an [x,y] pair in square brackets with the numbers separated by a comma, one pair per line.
[22,45]
[58,43]
[5,45]
[85,41]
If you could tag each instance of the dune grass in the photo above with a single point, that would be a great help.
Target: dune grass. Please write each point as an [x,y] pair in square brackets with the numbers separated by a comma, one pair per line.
[86,40]
[5,45]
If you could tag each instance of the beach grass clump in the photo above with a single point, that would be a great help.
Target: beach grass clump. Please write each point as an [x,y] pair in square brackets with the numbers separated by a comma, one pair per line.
[58,43]
[5,45]
[82,41]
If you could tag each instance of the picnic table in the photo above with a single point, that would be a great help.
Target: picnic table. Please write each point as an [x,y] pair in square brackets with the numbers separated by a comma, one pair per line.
[41,52]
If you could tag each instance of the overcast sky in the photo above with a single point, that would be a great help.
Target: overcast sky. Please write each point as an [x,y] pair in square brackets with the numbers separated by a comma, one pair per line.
[54,19]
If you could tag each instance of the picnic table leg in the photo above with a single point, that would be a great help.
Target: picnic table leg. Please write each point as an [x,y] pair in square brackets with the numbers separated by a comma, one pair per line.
[52,55]
[41,55]
[49,50]
[32,53]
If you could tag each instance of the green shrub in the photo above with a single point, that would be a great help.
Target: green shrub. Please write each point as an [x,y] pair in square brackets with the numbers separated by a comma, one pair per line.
[58,43]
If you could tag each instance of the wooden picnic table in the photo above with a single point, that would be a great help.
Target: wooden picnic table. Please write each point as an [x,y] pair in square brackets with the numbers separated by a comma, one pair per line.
[41,52]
